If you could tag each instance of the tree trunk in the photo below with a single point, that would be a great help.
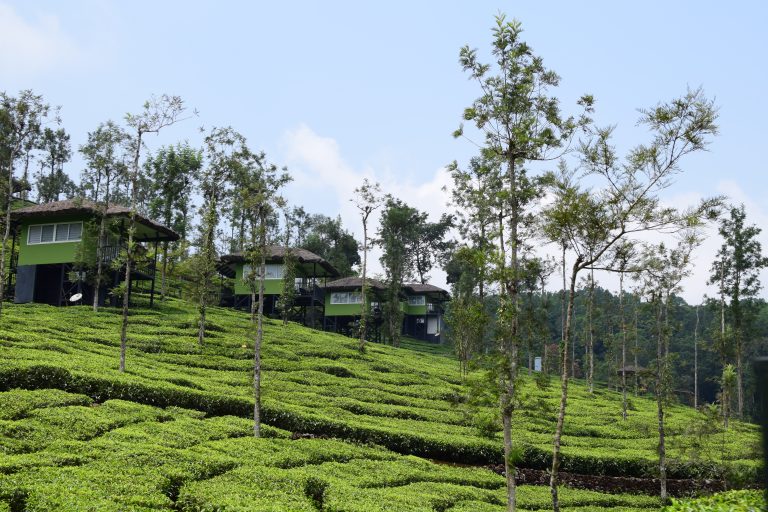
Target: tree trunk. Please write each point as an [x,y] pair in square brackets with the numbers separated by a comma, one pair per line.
[553,477]
[722,314]
[591,334]
[259,336]
[562,297]
[163,271]
[623,349]
[129,251]
[509,342]
[100,242]
[481,286]
[696,362]
[740,379]
[201,312]
[207,254]
[637,349]
[573,358]
[509,467]
[99,258]
[660,371]
[7,231]
[364,287]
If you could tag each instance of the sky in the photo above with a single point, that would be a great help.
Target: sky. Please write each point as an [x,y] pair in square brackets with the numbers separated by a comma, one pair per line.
[339,91]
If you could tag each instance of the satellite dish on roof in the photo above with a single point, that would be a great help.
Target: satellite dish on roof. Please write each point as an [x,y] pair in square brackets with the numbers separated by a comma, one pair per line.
[76,297]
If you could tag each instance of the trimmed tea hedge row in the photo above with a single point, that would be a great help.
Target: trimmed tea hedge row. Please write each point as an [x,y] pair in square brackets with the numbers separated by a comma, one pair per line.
[410,400]
[176,459]
[732,501]
[433,445]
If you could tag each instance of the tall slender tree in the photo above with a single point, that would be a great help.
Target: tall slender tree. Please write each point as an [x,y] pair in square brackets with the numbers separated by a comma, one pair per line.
[157,113]
[520,123]
[664,269]
[696,362]
[367,199]
[623,261]
[595,222]
[466,316]
[737,270]
[475,197]
[397,235]
[225,150]
[172,172]
[105,156]
[259,195]
[430,244]
[288,292]
[22,119]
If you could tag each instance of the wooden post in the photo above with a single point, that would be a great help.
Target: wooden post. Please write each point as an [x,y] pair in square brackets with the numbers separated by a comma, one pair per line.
[312,297]
[61,284]
[12,270]
[154,273]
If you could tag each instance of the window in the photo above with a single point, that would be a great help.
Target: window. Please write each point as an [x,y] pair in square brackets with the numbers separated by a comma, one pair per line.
[273,271]
[339,298]
[417,300]
[51,233]
[346,298]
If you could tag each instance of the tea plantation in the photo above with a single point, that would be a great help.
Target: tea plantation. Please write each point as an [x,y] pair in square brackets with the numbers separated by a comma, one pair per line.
[172,432]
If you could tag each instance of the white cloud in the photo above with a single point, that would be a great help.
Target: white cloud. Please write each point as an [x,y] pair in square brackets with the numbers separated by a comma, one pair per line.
[324,183]
[32,46]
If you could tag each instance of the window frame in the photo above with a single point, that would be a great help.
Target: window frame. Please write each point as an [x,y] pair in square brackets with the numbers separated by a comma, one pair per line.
[55,233]
[247,270]
[422,300]
[348,296]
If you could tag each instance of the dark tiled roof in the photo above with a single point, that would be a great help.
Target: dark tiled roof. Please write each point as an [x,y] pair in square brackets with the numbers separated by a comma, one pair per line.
[277,253]
[89,207]
[424,288]
[355,283]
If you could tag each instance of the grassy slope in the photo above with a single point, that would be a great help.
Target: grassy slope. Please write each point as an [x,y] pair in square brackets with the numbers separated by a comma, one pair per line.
[64,452]
[407,400]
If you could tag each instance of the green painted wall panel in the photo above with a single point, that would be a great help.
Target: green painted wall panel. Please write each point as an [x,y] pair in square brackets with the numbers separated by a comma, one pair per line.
[271,286]
[341,309]
[415,310]
[43,254]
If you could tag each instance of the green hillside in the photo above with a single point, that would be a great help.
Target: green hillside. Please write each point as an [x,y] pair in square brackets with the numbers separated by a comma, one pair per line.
[173,430]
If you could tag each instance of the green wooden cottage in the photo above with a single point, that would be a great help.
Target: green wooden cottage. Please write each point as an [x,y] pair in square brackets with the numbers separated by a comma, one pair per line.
[49,237]
[311,273]
[423,307]
[424,310]
[344,304]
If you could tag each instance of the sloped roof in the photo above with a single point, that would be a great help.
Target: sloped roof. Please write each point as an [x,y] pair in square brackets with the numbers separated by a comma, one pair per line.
[355,283]
[74,206]
[418,288]
[278,252]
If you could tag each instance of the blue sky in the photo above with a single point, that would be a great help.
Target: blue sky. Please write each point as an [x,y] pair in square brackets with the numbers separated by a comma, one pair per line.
[342,90]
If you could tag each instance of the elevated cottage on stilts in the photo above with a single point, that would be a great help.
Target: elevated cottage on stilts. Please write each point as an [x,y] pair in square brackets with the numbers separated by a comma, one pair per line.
[312,272]
[55,252]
